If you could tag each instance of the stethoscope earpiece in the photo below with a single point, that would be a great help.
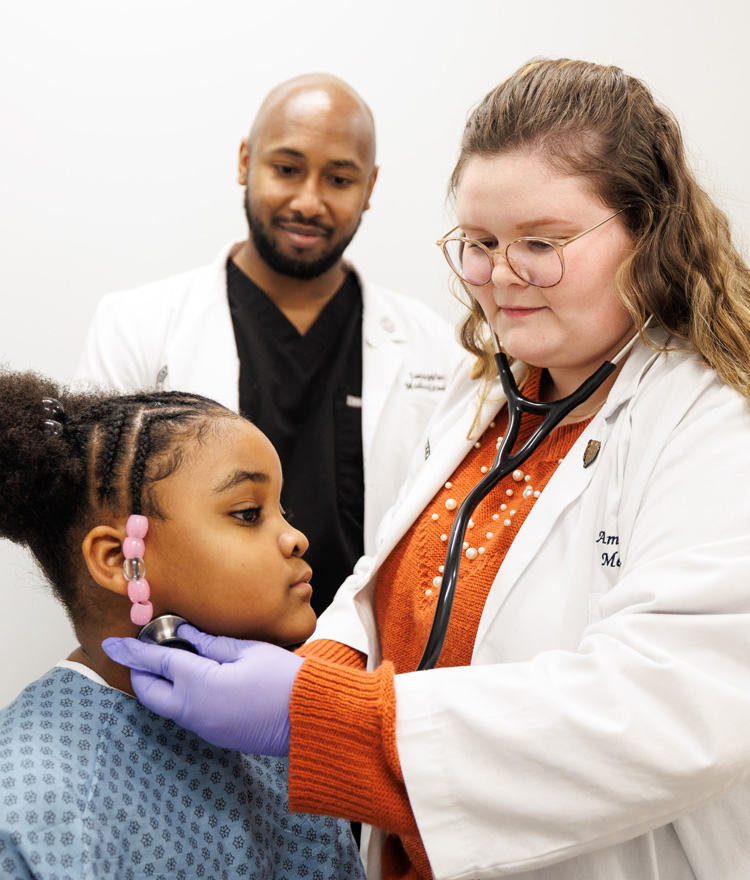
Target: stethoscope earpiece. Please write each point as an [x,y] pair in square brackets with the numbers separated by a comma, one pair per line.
[162,630]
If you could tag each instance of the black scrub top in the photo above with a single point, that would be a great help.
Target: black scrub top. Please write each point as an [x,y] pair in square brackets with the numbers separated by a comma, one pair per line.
[304,392]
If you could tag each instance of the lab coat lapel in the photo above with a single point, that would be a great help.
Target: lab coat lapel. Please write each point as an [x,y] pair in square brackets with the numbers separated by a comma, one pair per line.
[568,482]
[382,360]
[448,444]
[210,369]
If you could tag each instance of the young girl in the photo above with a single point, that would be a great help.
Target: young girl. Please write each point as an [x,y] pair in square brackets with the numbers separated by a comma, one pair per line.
[136,506]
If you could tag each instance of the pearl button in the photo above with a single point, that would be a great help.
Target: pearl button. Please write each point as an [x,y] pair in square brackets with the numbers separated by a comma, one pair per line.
[428,592]
[506,522]
[477,445]
[527,478]
[441,568]
[465,544]
[483,469]
[528,492]
[449,485]
[509,493]
[471,523]
[512,513]
[537,493]
[471,553]
[451,504]
[443,537]
[480,550]
[503,507]
[496,516]
[489,536]
[437,582]
[517,476]
[434,517]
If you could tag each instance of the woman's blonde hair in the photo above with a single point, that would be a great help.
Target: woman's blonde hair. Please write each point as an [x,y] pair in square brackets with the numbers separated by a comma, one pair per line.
[597,122]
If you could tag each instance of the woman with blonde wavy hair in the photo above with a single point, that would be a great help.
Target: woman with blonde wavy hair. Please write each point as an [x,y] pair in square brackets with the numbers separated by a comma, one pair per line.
[588,715]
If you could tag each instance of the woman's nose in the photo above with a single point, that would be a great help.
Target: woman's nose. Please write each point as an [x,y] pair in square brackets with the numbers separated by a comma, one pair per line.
[502,274]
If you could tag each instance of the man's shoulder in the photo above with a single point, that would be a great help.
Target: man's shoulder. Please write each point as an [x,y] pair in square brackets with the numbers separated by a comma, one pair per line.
[408,311]
[172,290]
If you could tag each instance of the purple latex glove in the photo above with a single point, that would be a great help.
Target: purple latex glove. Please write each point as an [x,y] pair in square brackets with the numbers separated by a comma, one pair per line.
[235,695]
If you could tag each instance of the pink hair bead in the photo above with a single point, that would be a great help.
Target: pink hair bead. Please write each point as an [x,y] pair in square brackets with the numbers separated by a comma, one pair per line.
[139,590]
[141,613]
[133,548]
[136,526]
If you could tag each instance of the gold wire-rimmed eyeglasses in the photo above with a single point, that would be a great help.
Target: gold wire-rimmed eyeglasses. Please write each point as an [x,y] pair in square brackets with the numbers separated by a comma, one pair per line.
[537,261]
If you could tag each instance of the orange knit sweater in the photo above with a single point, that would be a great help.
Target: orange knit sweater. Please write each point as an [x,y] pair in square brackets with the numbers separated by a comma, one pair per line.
[343,758]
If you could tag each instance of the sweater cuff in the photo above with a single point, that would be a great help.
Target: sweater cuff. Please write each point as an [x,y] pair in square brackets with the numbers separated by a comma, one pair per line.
[333,652]
[343,759]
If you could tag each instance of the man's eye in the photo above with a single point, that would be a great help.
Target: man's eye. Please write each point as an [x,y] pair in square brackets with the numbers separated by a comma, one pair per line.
[250,515]
[341,181]
[285,170]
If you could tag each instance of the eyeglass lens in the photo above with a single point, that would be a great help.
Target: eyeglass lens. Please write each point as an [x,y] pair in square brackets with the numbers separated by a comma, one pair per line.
[533,260]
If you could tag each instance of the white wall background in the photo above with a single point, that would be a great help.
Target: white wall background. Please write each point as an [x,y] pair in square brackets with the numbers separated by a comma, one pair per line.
[120,124]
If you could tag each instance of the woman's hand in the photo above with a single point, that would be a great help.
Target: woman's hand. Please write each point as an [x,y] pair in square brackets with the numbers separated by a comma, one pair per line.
[235,695]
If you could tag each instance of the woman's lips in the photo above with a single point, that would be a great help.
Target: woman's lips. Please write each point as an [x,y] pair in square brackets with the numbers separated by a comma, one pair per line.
[513,312]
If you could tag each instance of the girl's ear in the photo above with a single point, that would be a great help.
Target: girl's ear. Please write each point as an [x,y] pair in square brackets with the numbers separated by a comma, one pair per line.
[102,550]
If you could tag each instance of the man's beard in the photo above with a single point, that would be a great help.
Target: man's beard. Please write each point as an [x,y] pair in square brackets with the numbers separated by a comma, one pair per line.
[291,266]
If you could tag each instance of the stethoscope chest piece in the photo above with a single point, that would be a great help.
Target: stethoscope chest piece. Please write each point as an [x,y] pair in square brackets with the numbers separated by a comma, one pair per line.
[162,630]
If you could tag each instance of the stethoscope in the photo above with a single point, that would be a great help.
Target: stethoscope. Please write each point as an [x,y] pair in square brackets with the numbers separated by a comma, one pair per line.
[505,463]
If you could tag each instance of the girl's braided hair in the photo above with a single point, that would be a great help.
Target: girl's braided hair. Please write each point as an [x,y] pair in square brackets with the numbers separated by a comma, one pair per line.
[111,451]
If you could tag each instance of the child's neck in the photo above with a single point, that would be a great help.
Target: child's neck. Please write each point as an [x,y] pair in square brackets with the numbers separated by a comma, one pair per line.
[89,653]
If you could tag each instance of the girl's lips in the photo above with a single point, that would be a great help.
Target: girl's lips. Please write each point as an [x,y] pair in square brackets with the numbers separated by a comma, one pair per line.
[303,582]
[303,587]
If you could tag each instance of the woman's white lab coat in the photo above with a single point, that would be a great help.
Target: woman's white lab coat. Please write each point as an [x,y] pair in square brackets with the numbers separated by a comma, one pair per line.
[603,728]
[177,334]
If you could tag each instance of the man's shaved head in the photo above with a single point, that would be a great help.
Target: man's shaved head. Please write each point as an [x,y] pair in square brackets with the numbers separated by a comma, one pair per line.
[308,167]
[323,97]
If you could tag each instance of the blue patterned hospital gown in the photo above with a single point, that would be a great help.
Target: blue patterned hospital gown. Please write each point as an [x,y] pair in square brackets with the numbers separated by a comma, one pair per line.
[94,785]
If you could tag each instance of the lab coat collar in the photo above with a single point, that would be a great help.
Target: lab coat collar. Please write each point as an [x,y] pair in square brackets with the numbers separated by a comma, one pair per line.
[211,370]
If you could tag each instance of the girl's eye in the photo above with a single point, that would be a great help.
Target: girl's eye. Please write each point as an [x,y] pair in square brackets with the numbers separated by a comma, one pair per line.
[250,515]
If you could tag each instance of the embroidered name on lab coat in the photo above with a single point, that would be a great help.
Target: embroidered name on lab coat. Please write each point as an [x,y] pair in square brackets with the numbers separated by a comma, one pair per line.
[425,381]
[611,556]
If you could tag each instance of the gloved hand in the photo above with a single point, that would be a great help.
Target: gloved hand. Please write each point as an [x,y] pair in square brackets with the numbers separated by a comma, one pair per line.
[235,695]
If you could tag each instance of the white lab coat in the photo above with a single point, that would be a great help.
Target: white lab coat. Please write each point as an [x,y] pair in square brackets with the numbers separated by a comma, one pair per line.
[177,333]
[603,728]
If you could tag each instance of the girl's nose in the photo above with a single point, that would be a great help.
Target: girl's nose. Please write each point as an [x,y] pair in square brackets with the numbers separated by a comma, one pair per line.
[293,542]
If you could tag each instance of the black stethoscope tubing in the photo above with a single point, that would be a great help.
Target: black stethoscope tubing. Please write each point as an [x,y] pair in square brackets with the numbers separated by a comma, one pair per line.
[505,462]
